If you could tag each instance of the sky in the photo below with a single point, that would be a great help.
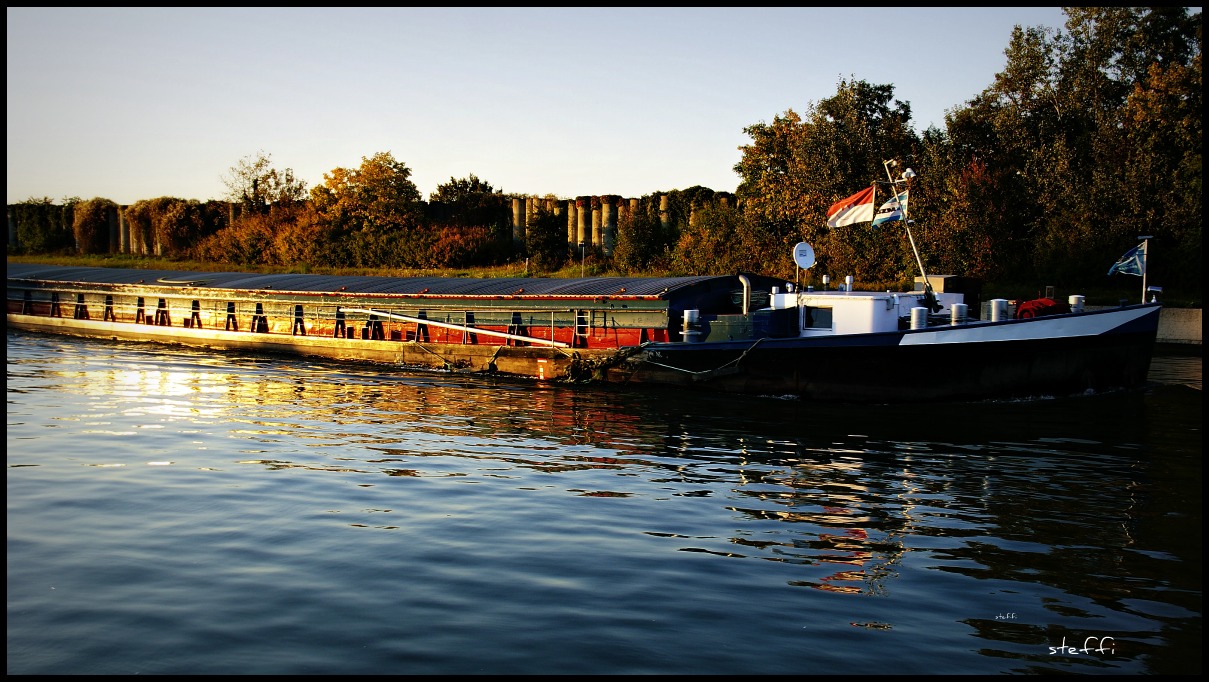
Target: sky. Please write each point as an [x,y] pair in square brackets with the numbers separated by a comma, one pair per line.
[130,104]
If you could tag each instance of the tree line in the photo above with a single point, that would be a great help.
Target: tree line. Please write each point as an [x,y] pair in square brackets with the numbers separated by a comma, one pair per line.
[1089,138]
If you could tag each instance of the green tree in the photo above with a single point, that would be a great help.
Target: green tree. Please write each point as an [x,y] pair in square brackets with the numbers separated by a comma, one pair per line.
[461,189]
[995,186]
[546,240]
[42,226]
[958,208]
[1137,72]
[641,242]
[1163,120]
[722,239]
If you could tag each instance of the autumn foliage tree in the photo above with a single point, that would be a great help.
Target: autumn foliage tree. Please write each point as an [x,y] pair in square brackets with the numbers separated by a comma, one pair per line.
[1088,138]
[469,222]
[255,185]
[798,165]
[92,221]
[374,213]
[170,227]
[469,201]
[721,239]
[1091,137]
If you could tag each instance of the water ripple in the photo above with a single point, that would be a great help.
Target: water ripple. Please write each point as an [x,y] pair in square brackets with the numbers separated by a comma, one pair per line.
[185,512]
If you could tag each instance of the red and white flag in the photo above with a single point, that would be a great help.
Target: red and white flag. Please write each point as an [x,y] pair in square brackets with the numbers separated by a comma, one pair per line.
[857,208]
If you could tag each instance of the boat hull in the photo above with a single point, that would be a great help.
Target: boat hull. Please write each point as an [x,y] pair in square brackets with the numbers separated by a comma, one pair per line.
[536,362]
[1020,358]
[1062,355]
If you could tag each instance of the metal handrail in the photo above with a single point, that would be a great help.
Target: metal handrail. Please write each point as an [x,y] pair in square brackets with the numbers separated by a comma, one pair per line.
[464,328]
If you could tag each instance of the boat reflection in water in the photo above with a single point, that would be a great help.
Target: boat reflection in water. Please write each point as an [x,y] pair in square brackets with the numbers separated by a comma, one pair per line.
[568,522]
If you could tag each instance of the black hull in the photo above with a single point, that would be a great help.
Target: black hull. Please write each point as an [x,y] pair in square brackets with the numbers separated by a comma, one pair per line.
[881,371]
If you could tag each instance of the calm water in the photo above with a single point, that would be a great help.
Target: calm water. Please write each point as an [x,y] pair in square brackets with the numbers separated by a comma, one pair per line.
[184,512]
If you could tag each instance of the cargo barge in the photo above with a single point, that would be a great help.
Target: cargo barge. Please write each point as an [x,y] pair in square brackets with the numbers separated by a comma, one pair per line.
[533,327]
[737,333]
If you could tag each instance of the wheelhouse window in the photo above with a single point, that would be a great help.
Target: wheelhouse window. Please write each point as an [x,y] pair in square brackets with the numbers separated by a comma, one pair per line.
[817,318]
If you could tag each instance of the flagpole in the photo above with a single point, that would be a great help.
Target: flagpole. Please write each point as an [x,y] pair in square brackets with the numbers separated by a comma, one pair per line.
[929,297]
[1145,262]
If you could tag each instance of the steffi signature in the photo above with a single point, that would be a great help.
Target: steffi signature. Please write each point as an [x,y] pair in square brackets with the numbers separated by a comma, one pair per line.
[1097,645]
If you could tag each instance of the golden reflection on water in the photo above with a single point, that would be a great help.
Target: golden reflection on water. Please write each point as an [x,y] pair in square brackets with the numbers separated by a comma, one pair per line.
[555,431]
[805,501]
[830,499]
[397,417]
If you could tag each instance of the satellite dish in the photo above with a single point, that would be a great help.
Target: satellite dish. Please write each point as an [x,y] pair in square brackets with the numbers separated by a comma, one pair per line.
[803,255]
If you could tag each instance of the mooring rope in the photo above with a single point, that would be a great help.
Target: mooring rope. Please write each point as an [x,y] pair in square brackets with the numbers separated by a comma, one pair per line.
[736,361]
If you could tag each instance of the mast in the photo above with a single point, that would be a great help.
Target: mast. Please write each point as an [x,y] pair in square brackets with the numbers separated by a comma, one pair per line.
[929,295]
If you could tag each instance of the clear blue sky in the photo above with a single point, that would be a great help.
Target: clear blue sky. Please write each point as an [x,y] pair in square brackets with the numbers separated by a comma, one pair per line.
[131,104]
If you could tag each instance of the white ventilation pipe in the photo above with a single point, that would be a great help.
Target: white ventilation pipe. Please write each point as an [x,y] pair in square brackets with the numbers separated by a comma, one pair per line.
[746,292]
[999,309]
[919,318]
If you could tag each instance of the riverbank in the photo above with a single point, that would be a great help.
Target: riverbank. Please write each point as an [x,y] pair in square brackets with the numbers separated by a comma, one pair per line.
[1179,327]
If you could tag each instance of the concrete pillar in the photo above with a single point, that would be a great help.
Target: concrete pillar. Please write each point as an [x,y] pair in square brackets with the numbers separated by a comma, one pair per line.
[518,221]
[583,210]
[572,225]
[123,231]
[608,219]
[597,227]
[665,215]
